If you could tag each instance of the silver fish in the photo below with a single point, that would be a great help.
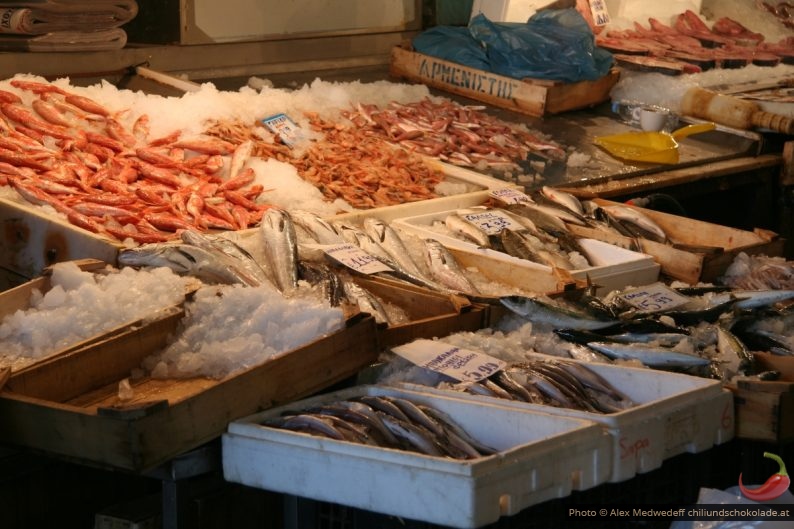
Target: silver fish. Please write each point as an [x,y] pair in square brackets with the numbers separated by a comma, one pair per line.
[281,247]
[463,228]
[377,422]
[542,219]
[417,415]
[390,240]
[412,435]
[366,302]
[444,268]
[734,358]
[451,426]
[560,317]
[303,422]
[245,260]
[637,218]
[320,230]
[650,356]
[564,199]
[207,265]
[753,299]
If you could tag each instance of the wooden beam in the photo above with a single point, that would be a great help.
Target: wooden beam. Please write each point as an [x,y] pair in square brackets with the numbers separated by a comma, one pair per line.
[787,168]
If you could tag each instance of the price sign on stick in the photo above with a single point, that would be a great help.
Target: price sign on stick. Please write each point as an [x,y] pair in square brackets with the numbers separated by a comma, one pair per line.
[493,222]
[461,364]
[287,130]
[508,195]
[655,297]
[355,258]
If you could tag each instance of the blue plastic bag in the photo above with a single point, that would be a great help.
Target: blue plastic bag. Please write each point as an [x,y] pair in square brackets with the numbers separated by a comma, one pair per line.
[452,44]
[553,44]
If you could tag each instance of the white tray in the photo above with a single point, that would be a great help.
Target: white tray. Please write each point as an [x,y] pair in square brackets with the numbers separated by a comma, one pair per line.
[615,267]
[675,414]
[541,457]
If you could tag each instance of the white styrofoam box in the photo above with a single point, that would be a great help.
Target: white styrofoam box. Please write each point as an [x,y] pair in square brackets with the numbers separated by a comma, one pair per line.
[675,414]
[541,457]
[615,267]
[507,10]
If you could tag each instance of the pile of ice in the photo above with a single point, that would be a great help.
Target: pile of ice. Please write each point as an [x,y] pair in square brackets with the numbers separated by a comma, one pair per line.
[230,328]
[81,305]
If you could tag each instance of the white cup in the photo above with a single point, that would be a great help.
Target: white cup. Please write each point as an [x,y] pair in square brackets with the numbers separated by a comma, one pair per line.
[652,119]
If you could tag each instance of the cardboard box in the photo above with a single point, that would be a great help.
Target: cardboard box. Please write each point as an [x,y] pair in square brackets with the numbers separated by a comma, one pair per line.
[535,97]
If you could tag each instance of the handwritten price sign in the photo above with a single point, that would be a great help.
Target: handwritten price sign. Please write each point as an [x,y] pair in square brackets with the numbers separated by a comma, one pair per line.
[655,297]
[461,364]
[355,258]
[508,195]
[492,222]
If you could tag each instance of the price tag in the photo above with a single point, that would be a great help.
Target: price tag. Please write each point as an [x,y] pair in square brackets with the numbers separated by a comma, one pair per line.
[281,124]
[355,258]
[509,195]
[461,364]
[493,222]
[655,297]
[598,8]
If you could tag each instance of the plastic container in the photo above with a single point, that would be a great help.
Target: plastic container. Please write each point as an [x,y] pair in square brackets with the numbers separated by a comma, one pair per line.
[613,267]
[675,414]
[541,457]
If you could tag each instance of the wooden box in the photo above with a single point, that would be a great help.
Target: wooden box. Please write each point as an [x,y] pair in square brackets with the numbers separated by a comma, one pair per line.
[431,314]
[706,250]
[536,97]
[69,405]
[765,409]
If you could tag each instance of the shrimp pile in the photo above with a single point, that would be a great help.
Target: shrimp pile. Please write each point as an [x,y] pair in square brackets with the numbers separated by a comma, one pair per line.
[69,152]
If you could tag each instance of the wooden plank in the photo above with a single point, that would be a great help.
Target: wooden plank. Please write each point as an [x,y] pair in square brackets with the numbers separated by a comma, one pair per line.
[5,373]
[662,179]
[787,167]
[527,96]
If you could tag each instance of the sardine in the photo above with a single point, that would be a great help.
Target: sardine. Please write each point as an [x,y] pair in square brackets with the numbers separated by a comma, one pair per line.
[648,228]
[444,268]
[281,247]
[563,198]
[246,262]
[536,310]
[650,356]
[366,301]
[416,415]
[304,422]
[319,229]
[212,266]
[412,435]
[591,379]
[518,391]
[450,425]
[375,419]
[390,240]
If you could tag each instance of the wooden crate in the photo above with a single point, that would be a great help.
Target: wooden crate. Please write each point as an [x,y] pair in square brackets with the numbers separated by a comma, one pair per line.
[536,97]
[431,314]
[69,406]
[765,409]
[710,248]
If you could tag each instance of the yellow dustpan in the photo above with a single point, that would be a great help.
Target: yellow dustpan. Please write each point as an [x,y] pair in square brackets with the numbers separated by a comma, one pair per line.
[649,147]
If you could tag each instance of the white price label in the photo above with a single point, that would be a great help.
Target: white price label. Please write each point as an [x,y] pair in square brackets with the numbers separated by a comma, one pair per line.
[287,130]
[461,364]
[493,222]
[598,8]
[355,258]
[655,297]
[508,195]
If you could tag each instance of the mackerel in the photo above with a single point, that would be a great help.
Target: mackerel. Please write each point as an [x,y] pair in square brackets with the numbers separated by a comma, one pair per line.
[281,248]
[753,299]
[650,356]
[536,310]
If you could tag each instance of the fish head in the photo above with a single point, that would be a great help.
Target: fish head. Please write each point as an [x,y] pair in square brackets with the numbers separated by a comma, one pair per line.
[376,228]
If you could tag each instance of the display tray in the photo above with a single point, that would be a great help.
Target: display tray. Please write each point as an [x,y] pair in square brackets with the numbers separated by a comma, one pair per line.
[614,268]
[708,251]
[675,414]
[430,314]
[69,405]
[540,457]
[535,97]
[33,239]
[765,409]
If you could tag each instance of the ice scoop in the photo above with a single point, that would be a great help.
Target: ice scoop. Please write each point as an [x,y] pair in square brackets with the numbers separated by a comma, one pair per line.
[649,147]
